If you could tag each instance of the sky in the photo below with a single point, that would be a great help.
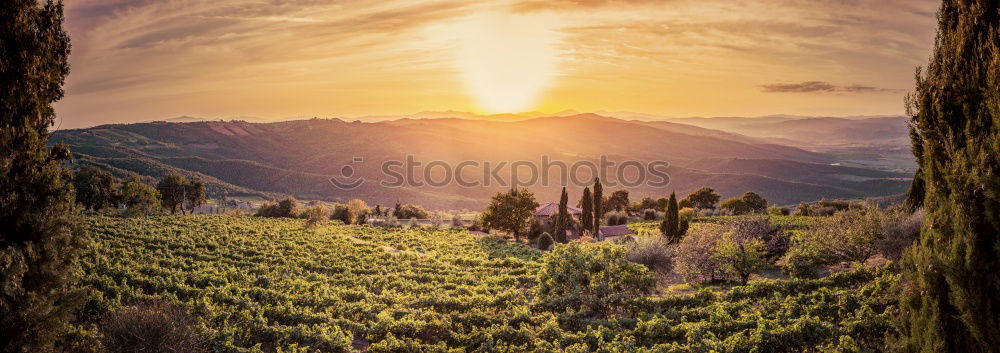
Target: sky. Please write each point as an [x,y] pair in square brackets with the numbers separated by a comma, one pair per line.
[141,60]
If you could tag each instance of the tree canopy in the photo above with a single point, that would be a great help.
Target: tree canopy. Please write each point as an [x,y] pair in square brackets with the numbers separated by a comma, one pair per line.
[510,211]
[954,270]
[39,242]
[704,198]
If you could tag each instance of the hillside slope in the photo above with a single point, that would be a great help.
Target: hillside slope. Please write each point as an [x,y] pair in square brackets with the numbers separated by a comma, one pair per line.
[298,158]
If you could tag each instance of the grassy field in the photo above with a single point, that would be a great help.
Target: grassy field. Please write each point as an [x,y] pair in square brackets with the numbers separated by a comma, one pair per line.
[269,285]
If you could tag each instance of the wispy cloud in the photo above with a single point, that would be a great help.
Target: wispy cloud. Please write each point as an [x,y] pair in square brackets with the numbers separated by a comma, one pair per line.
[820,86]
[142,59]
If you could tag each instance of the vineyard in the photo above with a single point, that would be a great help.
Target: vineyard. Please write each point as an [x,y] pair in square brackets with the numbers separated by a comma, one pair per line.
[270,285]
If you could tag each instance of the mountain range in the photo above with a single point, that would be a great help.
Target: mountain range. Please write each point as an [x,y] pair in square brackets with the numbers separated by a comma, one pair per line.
[299,157]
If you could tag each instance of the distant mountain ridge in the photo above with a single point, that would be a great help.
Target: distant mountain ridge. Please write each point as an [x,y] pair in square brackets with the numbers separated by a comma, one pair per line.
[299,157]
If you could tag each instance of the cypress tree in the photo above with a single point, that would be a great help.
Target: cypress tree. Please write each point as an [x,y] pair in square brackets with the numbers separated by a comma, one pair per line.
[952,273]
[598,207]
[670,227]
[38,239]
[559,228]
[587,216]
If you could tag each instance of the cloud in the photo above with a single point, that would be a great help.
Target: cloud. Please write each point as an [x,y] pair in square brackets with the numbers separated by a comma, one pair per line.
[540,5]
[133,59]
[820,86]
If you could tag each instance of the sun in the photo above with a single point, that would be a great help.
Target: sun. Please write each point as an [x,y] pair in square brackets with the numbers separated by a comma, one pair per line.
[506,60]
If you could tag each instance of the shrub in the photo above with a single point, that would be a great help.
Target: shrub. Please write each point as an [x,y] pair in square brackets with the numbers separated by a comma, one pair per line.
[654,252]
[804,258]
[803,209]
[408,211]
[341,213]
[316,215]
[412,223]
[735,207]
[773,238]
[287,208]
[851,235]
[389,221]
[755,202]
[456,221]
[437,220]
[477,225]
[901,229]
[651,215]
[358,210]
[151,327]
[778,211]
[545,241]
[740,254]
[615,218]
[695,259]
[535,229]
[591,279]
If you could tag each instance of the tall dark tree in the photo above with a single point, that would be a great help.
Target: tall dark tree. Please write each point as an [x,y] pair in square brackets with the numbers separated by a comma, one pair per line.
[671,225]
[95,188]
[38,239]
[587,209]
[950,304]
[598,207]
[172,189]
[561,221]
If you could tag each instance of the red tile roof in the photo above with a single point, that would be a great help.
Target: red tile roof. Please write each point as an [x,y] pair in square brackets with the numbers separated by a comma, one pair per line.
[614,231]
[551,208]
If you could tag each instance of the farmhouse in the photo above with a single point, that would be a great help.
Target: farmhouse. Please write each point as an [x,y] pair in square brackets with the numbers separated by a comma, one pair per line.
[546,212]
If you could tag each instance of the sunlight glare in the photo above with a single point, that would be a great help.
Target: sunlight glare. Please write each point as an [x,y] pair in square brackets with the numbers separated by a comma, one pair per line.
[507,60]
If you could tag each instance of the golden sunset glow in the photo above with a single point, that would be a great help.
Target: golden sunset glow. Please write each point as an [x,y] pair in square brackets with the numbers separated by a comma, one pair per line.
[144,60]
[506,61]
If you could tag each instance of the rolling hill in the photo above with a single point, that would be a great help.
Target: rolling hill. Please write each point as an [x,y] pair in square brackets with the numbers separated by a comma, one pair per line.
[299,157]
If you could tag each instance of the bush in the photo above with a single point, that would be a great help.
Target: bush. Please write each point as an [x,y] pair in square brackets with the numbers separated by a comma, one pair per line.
[456,222]
[545,241]
[804,259]
[651,215]
[477,225]
[358,210]
[437,220]
[686,217]
[695,256]
[592,279]
[901,229]
[735,207]
[316,215]
[654,252]
[408,211]
[851,235]
[535,229]
[389,221]
[341,213]
[778,211]
[616,218]
[773,238]
[287,208]
[151,327]
[740,254]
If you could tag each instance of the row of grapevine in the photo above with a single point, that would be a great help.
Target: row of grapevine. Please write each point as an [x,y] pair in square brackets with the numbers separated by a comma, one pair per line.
[270,285]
